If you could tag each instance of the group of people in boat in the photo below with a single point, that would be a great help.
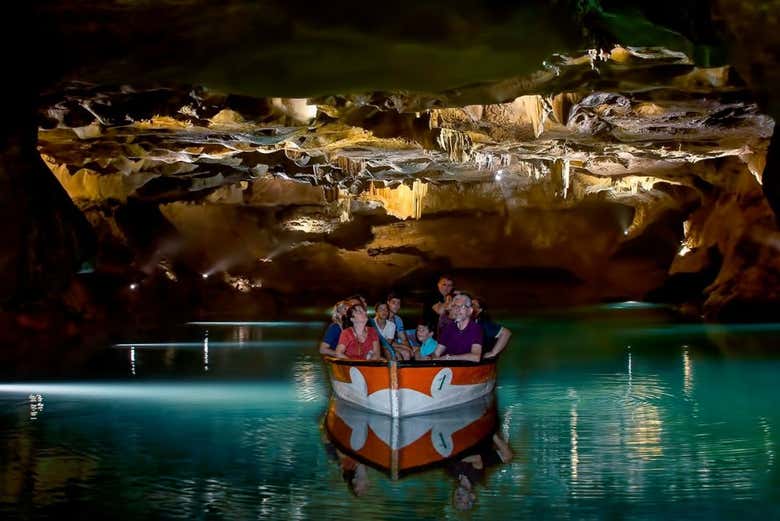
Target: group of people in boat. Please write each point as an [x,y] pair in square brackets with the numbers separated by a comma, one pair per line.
[453,326]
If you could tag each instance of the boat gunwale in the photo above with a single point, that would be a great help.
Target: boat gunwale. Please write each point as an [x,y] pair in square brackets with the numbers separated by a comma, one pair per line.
[406,364]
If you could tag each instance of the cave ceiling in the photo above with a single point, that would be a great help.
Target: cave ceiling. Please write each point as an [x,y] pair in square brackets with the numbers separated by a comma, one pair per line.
[603,166]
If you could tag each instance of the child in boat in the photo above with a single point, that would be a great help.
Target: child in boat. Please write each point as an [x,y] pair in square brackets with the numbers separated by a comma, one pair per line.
[427,344]
[386,331]
[383,324]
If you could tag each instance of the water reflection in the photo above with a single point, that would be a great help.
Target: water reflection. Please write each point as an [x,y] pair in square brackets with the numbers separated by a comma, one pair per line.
[471,469]
[243,334]
[575,456]
[463,440]
[206,352]
[687,373]
[399,446]
[670,428]
[36,405]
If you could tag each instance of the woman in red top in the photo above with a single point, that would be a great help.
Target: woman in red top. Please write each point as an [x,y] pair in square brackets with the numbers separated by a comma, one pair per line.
[359,341]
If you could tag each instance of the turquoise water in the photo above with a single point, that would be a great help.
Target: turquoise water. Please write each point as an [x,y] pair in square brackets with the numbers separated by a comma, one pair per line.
[611,412]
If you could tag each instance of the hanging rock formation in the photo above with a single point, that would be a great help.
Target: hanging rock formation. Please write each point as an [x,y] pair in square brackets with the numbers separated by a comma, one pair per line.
[333,146]
[608,174]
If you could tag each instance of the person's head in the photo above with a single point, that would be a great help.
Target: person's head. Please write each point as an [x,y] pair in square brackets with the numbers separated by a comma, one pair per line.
[463,498]
[339,310]
[356,314]
[461,307]
[424,331]
[381,311]
[445,285]
[478,307]
[357,299]
[393,303]
[357,479]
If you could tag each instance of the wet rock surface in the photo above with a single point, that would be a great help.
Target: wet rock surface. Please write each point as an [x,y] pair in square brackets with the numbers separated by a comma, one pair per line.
[613,172]
[336,147]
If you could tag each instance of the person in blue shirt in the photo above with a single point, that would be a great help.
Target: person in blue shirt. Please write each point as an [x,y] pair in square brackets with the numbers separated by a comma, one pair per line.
[332,334]
[425,344]
[495,336]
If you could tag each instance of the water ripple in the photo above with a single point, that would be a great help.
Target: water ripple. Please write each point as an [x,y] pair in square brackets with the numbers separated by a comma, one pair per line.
[596,431]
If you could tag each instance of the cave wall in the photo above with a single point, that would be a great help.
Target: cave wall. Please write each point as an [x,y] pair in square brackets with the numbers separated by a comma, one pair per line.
[592,166]
[45,237]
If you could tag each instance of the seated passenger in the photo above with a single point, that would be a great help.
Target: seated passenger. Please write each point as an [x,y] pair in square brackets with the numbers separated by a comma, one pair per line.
[400,343]
[461,338]
[495,336]
[352,301]
[359,341]
[427,344]
[332,334]
[384,326]
[384,342]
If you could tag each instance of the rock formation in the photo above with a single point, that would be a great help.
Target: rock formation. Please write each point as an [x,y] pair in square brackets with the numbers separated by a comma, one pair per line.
[297,150]
[608,174]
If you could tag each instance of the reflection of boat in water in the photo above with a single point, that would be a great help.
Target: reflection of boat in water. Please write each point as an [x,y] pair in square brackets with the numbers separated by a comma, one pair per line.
[405,388]
[402,445]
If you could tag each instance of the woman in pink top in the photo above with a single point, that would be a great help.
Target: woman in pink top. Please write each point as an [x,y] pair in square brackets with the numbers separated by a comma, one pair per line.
[359,341]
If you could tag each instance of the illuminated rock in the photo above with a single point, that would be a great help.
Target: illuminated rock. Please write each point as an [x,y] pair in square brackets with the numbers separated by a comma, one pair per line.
[617,171]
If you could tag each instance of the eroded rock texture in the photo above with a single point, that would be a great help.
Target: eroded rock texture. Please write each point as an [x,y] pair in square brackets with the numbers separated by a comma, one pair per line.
[616,174]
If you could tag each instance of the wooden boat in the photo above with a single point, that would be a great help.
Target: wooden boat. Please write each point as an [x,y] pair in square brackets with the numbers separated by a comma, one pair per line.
[401,446]
[406,388]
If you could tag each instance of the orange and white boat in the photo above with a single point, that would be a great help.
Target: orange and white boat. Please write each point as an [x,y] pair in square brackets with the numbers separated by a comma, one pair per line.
[404,445]
[406,388]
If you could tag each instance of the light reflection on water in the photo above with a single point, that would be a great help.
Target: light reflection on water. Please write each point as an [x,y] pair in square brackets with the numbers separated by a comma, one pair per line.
[602,421]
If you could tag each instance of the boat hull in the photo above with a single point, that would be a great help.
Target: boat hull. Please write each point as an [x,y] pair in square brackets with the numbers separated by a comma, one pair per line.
[401,446]
[409,388]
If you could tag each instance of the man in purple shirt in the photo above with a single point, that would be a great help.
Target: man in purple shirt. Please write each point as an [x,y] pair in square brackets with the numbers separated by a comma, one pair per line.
[460,338]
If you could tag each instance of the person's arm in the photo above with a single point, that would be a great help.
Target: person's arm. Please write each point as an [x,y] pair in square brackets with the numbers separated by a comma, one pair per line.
[474,356]
[403,347]
[325,349]
[501,342]
[341,347]
[442,307]
[502,448]
[331,340]
[401,335]
[439,350]
[419,356]
[403,352]
[374,354]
